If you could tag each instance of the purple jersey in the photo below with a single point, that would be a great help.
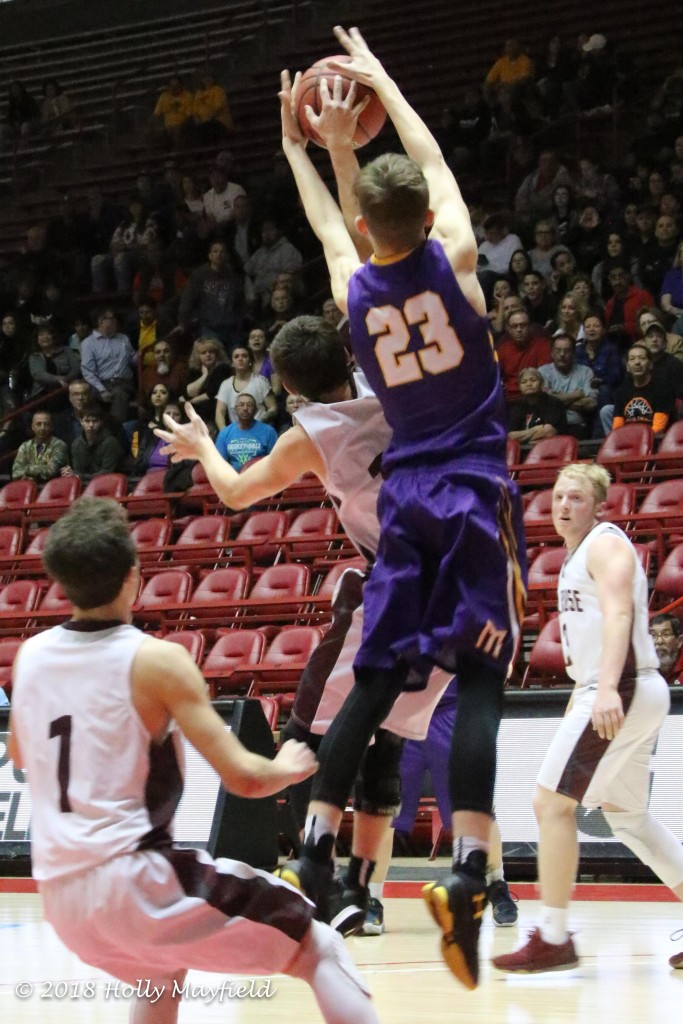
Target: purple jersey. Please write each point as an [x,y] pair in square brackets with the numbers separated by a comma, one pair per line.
[440,388]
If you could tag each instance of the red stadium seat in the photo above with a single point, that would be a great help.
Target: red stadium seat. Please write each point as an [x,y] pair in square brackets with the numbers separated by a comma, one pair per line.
[546,663]
[17,600]
[621,500]
[108,485]
[14,497]
[160,594]
[54,499]
[626,453]
[256,541]
[327,586]
[148,497]
[544,573]
[513,454]
[200,497]
[150,535]
[271,709]
[238,648]
[216,592]
[11,538]
[315,533]
[545,459]
[669,582]
[193,640]
[286,658]
[538,521]
[56,602]
[201,544]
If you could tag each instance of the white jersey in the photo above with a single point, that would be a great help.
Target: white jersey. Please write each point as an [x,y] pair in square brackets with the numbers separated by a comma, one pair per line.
[351,437]
[99,785]
[581,618]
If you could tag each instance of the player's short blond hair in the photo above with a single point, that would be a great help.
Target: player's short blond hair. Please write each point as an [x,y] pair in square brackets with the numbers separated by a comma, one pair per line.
[589,472]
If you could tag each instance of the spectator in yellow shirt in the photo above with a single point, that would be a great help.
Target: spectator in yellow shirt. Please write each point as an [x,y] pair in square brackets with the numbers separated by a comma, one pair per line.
[210,111]
[172,112]
[513,68]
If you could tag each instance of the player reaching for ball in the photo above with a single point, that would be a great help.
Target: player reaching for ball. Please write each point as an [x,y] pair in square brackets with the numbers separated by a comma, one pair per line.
[447,587]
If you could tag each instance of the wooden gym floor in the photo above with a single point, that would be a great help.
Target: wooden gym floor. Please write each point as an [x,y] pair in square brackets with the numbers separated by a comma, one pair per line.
[622,934]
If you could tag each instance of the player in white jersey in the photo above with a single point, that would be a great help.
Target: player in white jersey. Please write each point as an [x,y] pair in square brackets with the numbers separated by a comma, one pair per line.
[600,755]
[97,714]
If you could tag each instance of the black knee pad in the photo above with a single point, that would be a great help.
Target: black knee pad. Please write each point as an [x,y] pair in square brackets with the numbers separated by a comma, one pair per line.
[378,786]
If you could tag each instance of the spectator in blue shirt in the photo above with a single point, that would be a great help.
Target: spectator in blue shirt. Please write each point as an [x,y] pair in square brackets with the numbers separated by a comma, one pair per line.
[246,439]
[602,355]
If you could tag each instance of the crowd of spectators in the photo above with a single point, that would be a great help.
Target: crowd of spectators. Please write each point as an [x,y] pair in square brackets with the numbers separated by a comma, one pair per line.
[196,268]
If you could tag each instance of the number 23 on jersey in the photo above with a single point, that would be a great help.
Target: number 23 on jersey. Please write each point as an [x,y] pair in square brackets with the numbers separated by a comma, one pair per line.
[441,350]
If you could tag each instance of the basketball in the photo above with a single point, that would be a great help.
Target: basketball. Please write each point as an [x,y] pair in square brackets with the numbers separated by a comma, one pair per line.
[371,120]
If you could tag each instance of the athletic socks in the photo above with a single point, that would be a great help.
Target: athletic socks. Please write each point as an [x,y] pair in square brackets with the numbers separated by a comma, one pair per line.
[377,890]
[554,925]
[359,872]
[319,839]
[463,846]
[495,875]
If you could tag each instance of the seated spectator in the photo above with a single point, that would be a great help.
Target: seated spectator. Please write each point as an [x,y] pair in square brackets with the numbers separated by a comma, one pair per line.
[587,239]
[55,111]
[13,360]
[68,424]
[513,68]
[107,361]
[657,257]
[510,304]
[219,200]
[640,398]
[667,635]
[519,348]
[569,318]
[331,312]
[545,247]
[213,296]
[614,254]
[571,384]
[149,456]
[534,196]
[496,251]
[243,232]
[563,212]
[146,326]
[647,315]
[245,438]
[211,117]
[502,290]
[167,370]
[51,366]
[666,369]
[626,300]
[292,403]
[96,451]
[207,369]
[261,364]
[22,116]
[81,329]
[125,247]
[192,196]
[274,255]
[593,185]
[43,457]
[244,379]
[553,70]
[282,309]
[582,287]
[540,304]
[601,355]
[519,265]
[172,112]
[671,298]
[536,414]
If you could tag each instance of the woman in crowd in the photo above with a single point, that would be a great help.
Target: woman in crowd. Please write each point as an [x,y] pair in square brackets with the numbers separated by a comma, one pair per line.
[520,264]
[244,379]
[209,366]
[258,346]
[569,318]
[602,355]
[615,254]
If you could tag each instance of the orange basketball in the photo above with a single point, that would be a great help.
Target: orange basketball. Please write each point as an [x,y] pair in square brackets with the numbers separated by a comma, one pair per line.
[371,120]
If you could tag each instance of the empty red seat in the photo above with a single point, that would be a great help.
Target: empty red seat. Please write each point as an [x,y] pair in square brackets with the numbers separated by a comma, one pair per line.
[546,662]
[193,640]
[161,593]
[286,657]
[108,485]
[669,583]
[150,535]
[236,648]
[545,459]
[54,499]
[17,601]
[9,648]
[55,601]
[336,572]
[14,497]
[256,541]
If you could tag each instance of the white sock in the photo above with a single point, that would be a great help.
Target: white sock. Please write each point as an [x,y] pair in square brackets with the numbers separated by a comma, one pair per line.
[554,925]
[317,826]
[495,875]
[376,889]
[463,846]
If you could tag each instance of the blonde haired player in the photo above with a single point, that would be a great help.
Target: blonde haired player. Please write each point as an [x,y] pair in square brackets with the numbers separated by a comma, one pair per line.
[600,755]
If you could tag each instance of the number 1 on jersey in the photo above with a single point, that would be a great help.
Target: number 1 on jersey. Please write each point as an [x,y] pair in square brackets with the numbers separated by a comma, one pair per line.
[62,727]
[441,351]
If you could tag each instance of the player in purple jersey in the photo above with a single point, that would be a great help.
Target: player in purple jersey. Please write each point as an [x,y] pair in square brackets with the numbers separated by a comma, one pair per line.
[448,584]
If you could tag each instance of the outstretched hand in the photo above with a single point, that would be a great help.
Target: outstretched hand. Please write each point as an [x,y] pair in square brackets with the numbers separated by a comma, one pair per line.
[184,440]
[287,95]
[338,117]
[364,67]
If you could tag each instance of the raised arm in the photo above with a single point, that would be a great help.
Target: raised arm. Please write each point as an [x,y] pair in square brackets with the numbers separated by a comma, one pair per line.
[324,216]
[293,455]
[452,226]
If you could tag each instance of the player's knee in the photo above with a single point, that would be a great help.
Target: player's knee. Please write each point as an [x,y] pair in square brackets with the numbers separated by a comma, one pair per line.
[378,787]
[549,805]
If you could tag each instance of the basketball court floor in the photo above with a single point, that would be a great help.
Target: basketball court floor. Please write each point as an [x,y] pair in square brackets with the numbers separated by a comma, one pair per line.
[622,934]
